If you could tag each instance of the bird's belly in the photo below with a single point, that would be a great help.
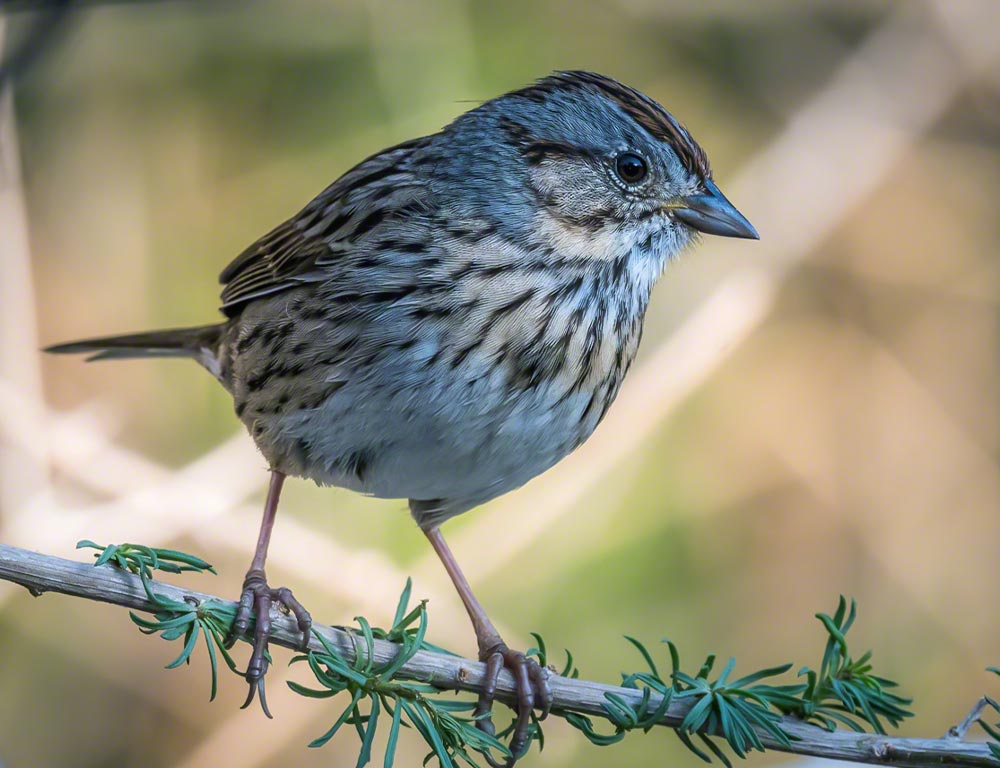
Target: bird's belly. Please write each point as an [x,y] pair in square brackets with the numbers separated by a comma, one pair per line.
[466,441]
[459,409]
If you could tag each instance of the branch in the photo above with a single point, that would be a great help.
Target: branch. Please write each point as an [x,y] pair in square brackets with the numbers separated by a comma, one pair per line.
[40,573]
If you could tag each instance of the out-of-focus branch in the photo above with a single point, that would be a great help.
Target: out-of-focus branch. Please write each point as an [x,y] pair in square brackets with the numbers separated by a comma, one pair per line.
[50,20]
[40,573]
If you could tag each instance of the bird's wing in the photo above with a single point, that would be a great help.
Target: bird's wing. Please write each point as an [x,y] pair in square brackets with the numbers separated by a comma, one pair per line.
[290,254]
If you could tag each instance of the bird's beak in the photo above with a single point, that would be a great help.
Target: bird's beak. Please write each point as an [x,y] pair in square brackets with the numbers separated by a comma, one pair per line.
[713,214]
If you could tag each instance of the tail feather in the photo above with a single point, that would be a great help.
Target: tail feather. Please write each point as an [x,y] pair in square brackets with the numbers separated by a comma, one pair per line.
[200,343]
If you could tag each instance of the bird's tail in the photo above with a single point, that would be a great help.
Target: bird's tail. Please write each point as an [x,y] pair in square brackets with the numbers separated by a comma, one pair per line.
[201,343]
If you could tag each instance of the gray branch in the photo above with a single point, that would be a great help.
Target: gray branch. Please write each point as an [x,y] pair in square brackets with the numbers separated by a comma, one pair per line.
[44,573]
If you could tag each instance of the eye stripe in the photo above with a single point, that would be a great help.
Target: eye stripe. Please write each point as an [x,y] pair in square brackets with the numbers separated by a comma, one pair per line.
[538,151]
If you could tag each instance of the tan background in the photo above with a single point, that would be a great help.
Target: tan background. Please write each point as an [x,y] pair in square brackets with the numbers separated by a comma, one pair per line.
[811,415]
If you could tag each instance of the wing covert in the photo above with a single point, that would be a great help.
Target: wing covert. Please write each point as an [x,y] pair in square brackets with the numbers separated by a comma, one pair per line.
[287,256]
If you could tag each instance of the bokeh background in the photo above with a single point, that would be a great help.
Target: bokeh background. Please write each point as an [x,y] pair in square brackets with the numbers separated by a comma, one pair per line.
[812,415]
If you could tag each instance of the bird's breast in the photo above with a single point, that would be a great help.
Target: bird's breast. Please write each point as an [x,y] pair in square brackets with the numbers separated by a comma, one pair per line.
[461,394]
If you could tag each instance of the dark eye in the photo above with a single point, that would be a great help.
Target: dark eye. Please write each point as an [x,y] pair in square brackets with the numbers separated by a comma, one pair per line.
[630,168]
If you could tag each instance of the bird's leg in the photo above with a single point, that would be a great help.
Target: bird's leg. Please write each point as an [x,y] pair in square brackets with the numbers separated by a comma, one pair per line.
[532,679]
[257,598]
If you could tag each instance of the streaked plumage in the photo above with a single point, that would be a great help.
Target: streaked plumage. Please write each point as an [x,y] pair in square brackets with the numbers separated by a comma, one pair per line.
[455,314]
[394,339]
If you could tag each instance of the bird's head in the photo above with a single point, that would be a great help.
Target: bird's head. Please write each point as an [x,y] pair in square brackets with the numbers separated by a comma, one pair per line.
[594,166]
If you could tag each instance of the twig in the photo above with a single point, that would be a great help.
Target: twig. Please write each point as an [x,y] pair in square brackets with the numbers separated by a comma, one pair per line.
[959,731]
[44,573]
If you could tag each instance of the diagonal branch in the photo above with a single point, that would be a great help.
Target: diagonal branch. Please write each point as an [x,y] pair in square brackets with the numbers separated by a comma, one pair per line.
[41,573]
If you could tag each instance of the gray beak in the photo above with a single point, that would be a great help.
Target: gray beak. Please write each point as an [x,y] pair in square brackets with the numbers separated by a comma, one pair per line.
[713,214]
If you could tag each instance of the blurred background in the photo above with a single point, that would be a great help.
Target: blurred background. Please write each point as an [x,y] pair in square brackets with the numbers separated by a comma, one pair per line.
[812,415]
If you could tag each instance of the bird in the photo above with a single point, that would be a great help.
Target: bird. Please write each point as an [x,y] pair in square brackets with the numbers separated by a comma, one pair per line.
[451,317]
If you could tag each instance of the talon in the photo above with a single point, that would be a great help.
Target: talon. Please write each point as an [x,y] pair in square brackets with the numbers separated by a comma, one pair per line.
[533,691]
[257,687]
[540,681]
[290,605]
[257,599]
[483,714]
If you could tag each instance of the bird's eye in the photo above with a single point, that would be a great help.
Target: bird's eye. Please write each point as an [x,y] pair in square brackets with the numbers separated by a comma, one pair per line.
[630,168]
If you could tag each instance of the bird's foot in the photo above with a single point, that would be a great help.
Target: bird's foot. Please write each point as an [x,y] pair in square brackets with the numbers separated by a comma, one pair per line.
[533,692]
[256,600]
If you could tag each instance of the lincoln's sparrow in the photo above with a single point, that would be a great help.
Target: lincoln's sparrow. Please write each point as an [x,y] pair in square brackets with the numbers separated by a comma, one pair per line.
[454,315]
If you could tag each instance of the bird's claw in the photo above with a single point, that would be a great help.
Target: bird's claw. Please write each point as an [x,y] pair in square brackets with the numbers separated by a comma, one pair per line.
[256,600]
[533,692]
